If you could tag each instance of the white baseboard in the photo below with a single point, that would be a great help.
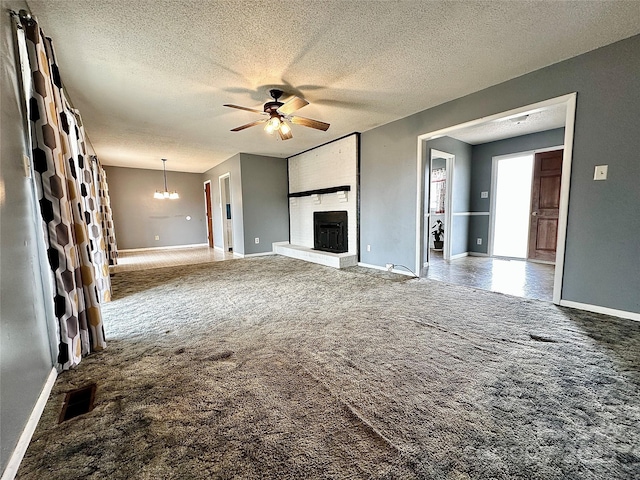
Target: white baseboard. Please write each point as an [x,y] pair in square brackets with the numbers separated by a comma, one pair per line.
[478,254]
[459,255]
[25,438]
[247,255]
[220,249]
[599,309]
[258,254]
[170,247]
[544,262]
[377,267]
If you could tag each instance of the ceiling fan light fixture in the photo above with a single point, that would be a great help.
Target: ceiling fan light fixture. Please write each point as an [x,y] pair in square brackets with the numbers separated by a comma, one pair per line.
[273,124]
[284,127]
[278,116]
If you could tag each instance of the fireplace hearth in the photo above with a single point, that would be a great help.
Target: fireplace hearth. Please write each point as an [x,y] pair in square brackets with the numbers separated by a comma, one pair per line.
[330,231]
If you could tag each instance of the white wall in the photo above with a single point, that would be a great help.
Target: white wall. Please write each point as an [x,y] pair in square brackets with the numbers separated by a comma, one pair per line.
[331,165]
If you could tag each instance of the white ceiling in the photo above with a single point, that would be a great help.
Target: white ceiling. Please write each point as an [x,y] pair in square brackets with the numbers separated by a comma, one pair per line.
[524,123]
[150,77]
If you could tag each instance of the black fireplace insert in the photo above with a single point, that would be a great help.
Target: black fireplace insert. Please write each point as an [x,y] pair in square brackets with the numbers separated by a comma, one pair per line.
[330,231]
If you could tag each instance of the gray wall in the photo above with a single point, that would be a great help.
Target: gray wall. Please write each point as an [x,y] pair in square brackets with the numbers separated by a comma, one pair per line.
[26,317]
[599,269]
[265,202]
[232,167]
[259,204]
[138,217]
[481,166]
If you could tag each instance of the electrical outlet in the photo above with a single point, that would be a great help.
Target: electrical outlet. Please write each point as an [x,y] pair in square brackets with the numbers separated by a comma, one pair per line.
[389,266]
[484,194]
[478,241]
[157,237]
[257,240]
[368,248]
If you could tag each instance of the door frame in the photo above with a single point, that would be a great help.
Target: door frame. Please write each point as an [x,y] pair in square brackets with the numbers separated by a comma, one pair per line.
[209,221]
[223,206]
[494,180]
[448,203]
[570,102]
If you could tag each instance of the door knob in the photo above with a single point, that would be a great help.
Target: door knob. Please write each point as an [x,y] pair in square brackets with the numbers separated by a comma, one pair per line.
[535,214]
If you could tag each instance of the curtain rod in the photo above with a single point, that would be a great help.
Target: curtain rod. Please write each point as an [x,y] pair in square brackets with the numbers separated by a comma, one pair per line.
[23,15]
[26,17]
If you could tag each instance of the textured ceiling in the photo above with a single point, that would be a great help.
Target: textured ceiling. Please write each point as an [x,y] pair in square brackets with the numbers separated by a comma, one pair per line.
[150,77]
[524,123]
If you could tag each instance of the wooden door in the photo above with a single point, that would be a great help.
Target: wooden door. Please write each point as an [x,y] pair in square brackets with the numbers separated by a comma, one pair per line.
[545,206]
[207,200]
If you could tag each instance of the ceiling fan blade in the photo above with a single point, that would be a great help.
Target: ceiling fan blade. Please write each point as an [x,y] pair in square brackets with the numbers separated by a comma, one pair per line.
[308,122]
[242,127]
[285,136]
[291,105]
[243,108]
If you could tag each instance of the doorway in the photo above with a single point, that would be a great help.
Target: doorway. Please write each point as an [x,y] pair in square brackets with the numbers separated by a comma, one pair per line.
[512,175]
[208,212]
[225,211]
[568,105]
[525,205]
[438,218]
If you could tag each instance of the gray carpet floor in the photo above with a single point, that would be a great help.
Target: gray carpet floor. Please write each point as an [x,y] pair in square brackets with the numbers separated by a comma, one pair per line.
[274,368]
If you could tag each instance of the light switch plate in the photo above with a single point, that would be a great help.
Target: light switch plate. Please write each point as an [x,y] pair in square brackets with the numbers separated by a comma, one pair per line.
[484,194]
[601,172]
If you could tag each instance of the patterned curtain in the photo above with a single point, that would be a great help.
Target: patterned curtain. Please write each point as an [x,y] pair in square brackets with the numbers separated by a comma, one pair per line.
[438,189]
[106,217]
[72,208]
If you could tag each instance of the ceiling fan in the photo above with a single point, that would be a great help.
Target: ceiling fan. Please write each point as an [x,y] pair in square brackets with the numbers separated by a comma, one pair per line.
[279,114]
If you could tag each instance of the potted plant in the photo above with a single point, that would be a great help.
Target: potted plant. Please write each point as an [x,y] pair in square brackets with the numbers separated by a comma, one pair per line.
[438,232]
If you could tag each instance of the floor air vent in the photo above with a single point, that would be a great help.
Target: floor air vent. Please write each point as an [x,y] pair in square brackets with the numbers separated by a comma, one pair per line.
[78,402]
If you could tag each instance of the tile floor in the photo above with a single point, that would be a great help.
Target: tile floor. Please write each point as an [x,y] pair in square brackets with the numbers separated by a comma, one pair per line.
[144,259]
[513,277]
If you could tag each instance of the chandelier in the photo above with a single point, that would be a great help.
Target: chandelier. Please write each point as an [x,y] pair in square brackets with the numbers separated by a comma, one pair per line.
[166,194]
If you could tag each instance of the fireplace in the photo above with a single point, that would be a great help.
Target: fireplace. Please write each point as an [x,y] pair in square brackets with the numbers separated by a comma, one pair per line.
[330,231]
